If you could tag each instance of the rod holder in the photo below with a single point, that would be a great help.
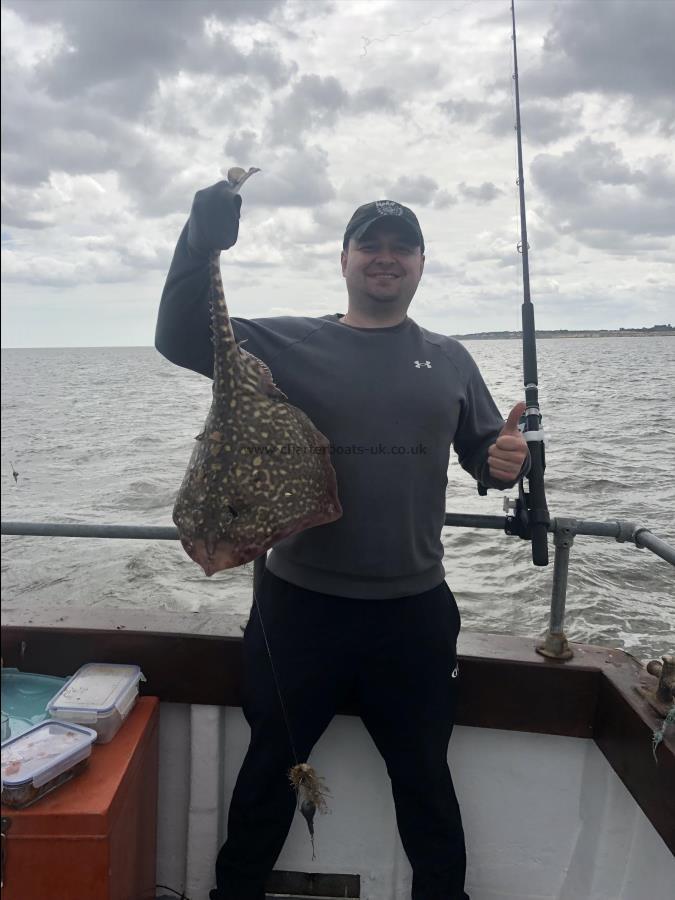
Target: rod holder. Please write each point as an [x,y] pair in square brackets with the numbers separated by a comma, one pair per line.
[554,645]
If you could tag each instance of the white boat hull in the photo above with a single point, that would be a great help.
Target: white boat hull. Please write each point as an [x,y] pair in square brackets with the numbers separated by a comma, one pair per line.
[545,817]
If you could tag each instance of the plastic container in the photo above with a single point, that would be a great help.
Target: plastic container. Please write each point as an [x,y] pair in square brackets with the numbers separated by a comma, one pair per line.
[99,695]
[24,699]
[36,762]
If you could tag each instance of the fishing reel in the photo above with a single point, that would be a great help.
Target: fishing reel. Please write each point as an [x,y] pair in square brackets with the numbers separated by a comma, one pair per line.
[519,522]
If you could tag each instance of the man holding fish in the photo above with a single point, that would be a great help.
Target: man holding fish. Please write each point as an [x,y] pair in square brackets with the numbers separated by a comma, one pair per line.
[353,605]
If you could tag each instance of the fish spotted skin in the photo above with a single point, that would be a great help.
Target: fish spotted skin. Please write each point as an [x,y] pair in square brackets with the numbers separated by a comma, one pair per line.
[244,489]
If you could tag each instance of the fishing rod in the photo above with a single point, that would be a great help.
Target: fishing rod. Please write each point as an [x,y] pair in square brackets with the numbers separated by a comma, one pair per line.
[532,516]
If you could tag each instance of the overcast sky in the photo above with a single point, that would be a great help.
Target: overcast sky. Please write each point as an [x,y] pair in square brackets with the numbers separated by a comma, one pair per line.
[116,111]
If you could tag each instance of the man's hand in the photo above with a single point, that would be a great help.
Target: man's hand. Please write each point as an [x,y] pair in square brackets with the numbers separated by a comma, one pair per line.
[214,218]
[507,455]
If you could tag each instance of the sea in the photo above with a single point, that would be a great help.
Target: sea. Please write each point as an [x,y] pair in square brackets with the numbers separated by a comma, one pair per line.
[103,435]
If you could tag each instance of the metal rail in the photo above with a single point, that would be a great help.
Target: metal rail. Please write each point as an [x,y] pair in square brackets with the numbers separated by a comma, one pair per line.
[619,529]
[564,531]
[67,529]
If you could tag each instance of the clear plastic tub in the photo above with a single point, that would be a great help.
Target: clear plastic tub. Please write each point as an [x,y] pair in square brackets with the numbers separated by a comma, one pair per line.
[41,759]
[100,695]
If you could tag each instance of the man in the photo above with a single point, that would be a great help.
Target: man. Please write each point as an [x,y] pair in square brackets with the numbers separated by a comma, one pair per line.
[359,609]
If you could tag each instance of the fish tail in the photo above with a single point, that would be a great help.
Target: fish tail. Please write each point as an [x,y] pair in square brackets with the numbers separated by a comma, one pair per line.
[225,351]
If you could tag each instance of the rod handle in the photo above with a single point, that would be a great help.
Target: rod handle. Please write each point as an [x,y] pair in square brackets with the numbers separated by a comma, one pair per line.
[539,545]
[537,507]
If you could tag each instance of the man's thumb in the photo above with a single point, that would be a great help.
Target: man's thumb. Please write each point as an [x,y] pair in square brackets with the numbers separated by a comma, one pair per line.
[511,426]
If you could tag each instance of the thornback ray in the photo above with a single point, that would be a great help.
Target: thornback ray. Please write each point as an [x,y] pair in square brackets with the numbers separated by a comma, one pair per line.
[260,471]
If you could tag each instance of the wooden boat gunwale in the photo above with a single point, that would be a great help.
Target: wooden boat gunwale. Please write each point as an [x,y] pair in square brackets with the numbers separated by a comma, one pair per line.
[505,684]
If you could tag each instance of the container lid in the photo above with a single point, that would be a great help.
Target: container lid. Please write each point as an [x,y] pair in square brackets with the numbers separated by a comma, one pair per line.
[25,697]
[96,688]
[43,752]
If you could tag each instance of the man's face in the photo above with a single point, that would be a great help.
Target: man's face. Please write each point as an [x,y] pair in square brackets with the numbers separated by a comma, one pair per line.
[384,265]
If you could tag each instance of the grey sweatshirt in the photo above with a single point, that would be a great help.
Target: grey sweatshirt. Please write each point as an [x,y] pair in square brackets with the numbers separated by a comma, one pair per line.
[391,401]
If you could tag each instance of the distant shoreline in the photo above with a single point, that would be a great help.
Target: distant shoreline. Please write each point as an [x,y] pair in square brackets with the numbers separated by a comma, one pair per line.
[654,331]
[517,335]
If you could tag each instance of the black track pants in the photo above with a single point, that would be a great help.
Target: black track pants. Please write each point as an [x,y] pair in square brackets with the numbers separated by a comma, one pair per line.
[396,659]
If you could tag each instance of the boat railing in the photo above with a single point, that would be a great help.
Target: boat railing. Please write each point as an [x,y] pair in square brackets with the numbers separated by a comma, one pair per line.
[564,530]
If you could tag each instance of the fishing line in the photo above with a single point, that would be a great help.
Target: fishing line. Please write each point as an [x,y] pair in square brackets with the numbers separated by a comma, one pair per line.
[310,789]
[394,34]
[275,677]
[516,183]
[165,887]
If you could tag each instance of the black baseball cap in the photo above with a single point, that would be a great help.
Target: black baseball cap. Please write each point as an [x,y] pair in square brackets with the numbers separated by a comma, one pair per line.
[369,213]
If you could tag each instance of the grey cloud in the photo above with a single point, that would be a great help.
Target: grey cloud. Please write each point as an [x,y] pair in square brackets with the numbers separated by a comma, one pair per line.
[599,198]
[298,13]
[313,102]
[153,183]
[374,99]
[658,112]
[615,47]
[263,62]
[20,167]
[420,189]
[436,267]
[656,180]
[443,199]
[606,235]
[51,269]
[298,178]
[56,136]
[403,70]
[503,258]
[46,136]
[170,118]
[232,107]
[43,135]
[572,173]
[75,151]
[119,52]
[331,217]
[414,189]
[317,102]
[241,145]
[15,217]
[464,110]
[331,221]
[542,122]
[481,194]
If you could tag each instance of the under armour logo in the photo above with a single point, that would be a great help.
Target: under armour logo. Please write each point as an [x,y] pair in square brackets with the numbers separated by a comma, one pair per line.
[418,364]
